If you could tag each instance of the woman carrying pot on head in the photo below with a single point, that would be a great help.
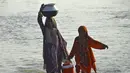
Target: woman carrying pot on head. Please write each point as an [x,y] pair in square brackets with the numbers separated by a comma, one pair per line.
[54,45]
[82,50]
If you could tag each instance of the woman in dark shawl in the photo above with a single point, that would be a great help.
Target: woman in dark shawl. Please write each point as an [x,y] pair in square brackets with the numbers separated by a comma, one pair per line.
[54,45]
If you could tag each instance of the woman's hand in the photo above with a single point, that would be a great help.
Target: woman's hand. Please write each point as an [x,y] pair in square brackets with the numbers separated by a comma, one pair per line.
[42,5]
[69,57]
[40,11]
[69,60]
[105,46]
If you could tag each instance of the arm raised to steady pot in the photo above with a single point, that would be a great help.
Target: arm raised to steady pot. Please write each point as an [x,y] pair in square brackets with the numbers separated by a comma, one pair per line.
[39,19]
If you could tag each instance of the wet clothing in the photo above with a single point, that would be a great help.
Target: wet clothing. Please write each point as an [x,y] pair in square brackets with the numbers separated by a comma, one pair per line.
[54,46]
[84,56]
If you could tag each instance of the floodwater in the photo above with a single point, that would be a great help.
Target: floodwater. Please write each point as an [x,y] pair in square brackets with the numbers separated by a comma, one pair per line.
[21,39]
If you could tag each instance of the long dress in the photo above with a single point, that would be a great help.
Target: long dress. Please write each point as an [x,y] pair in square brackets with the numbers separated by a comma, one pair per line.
[54,47]
[84,57]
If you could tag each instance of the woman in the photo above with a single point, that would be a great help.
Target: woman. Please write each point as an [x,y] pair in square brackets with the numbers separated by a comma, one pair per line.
[82,50]
[54,49]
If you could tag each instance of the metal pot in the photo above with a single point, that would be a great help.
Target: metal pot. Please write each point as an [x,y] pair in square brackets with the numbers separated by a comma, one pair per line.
[49,10]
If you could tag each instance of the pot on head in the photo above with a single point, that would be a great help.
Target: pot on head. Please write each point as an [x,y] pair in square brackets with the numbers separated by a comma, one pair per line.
[49,10]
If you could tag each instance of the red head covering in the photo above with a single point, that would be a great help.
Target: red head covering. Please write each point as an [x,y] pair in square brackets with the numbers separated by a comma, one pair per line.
[83,29]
